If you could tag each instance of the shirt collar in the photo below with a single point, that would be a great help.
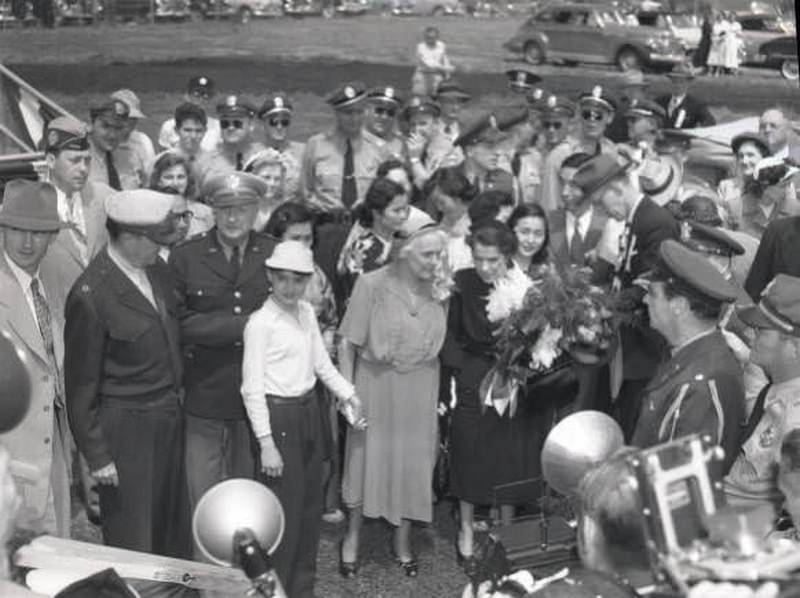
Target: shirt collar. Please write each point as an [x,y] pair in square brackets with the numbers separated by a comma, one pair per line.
[676,349]
[23,278]
[792,386]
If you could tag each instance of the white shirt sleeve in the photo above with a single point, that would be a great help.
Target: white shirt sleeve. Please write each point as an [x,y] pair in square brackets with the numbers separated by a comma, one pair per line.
[323,366]
[253,387]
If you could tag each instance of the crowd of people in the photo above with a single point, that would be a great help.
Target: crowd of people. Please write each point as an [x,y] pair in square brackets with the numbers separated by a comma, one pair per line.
[314,315]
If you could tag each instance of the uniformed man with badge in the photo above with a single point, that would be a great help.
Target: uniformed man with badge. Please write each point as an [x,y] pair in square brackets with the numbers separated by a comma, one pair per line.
[108,121]
[220,280]
[700,389]
[380,122]
[339,165]
[238,145]
[488,145]
[451,99]
[276,114]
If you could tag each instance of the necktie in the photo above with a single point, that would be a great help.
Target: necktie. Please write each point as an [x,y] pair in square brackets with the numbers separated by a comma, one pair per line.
[113,175]
[576,250]
[235,263]
[46,330]
[349,190]
[756,414]
[239,161]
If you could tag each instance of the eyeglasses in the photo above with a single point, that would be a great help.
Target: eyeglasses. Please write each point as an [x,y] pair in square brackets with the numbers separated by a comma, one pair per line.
[552,125]
[227,124]
[380,111]
[592,115]
[185,216]
[279,122]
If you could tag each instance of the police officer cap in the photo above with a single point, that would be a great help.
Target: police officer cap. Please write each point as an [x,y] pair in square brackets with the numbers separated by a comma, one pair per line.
[420,105]
[451,90]
[484,128]
[233,189]
[201,87]
[598,97]
[346,95]
[695,272]
[779,307]
[66,133]
[236,105]
[139,207]
[760,142]
[646,108]
[537,98]
[521,81]
[110,108]
[709,240]
[277,104]
[558,106]
[387,95]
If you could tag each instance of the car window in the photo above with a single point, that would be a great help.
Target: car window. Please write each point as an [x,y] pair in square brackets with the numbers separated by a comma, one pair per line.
[579,18]
[563,17]
[647,19]
[546,16]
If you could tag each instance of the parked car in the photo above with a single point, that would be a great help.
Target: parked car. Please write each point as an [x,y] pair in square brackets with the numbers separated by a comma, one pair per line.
[685,26]
[780,53]
[594,33]
[242,10]
[759,28]
[435,8]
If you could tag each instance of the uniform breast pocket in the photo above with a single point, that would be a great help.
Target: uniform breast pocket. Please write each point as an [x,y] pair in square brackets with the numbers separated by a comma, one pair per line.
[128,340]
[205,297]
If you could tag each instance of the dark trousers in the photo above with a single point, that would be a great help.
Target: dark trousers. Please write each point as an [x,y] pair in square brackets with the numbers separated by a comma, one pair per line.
[149,510]
[296,430]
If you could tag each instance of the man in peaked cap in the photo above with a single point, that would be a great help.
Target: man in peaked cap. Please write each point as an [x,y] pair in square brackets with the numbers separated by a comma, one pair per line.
[108,121]
[487,147]
[451,98]
[237,123]
[700,389]
[135,152]
[276,113]
[684,111]
[426,147]
[219,278]
[199,91]
[380,120]
[522,81]
[776,348]
[339,164]
[595,110]
[32,312]
[123,379]
[632,86]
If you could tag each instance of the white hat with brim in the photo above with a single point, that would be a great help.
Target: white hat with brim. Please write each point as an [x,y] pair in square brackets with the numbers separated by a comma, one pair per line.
[293,256]
[139,207]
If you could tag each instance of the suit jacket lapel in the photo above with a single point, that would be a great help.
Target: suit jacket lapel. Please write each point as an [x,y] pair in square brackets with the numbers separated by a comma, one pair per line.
[595,232]
[127,292]
[21,320]
[215,258]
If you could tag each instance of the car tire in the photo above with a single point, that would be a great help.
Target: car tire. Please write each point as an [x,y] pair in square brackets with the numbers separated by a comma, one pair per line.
[438,11]
[533,52]
[629,59]
[789,70]
[245,15]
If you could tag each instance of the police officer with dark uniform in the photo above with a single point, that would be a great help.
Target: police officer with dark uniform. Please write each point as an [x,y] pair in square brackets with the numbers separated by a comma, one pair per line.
[220,281]
[700,389]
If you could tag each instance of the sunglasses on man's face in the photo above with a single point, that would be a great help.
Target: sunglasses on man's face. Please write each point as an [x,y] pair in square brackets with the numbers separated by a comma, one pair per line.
[556,125]
[227,124]
[592,115]
[279,122]
[185,216]
[380,111]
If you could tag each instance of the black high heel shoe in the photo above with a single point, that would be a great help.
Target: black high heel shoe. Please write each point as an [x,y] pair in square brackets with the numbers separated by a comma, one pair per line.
[346,570]
[410,568]
[468,563]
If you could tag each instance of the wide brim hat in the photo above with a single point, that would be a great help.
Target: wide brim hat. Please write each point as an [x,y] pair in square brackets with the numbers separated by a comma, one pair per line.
[599,171]
[694,272]
[709,240]
[661,178]
[293,256]
[759,141]
[31,206]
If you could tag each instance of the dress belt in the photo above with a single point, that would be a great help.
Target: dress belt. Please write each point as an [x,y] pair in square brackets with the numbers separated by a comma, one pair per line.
[300,400]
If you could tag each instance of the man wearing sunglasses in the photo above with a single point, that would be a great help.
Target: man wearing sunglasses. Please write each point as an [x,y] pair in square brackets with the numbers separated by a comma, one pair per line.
[199,91]
[380,122]
[237,122]
[276,115]
[595,112]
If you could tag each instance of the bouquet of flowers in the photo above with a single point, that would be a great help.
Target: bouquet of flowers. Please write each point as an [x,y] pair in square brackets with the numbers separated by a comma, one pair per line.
[544,326]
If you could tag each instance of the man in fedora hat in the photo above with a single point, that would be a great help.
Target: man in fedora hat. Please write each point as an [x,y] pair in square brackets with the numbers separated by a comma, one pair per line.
[776,319]
[31,311]
[219,279]
[684,111]
[699,390]
[124,378]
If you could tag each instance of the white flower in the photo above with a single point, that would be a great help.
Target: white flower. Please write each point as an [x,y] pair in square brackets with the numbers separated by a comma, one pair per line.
[546,349]
[507,295]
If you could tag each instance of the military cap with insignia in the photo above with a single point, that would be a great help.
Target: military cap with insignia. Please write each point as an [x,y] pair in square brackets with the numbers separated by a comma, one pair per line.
[778,308]
[451,90]
[558,106]
[760,142]
[131,100]
[139,208]
[709,240]
[200,87]
[693,273]
[536,98]
[522,81]
[233,189]
[236,105]
[646,108]
[110,108]
[387,95]
[483,128]
[420,105]
[277,104]
[346,95]
[66,133]
[598,97]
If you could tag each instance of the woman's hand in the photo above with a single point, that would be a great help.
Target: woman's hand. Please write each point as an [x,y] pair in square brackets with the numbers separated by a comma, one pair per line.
[352,409]
[415,144]
[271,460]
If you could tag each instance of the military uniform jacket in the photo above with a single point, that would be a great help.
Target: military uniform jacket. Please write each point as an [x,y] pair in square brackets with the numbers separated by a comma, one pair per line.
[698,391]
[777,254]
[118,347]
[213,307]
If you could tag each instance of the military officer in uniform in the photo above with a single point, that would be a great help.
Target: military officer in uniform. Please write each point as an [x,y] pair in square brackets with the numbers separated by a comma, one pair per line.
[220,281]
[380,120]
[123,378]
[238,145]
[276,115]
[700,389]
[108,122]
[339,165]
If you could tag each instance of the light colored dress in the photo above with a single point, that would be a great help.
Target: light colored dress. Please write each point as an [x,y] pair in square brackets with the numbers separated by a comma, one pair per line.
[732,45]
[718,31]
[388,467]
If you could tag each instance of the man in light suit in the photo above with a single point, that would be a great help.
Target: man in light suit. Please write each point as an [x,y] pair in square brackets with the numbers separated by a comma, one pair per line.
[31,311]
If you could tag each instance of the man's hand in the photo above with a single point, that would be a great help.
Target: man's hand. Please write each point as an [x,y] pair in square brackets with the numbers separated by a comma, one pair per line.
[271,460]
[107,475]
